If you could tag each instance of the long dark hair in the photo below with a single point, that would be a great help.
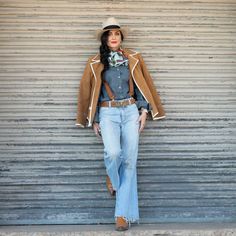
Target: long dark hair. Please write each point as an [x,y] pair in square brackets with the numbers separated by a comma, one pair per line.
[105,50]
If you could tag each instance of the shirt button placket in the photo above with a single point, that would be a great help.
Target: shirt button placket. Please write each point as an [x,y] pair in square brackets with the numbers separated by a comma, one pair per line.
[119,78]
[119,73]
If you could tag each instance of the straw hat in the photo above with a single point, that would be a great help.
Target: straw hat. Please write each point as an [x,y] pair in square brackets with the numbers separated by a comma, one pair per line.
[111,23]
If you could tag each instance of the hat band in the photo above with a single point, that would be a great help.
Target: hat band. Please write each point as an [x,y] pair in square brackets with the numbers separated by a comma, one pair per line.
[112,27]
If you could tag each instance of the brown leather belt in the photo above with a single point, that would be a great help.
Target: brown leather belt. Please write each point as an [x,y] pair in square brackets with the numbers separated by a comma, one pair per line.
[117,103]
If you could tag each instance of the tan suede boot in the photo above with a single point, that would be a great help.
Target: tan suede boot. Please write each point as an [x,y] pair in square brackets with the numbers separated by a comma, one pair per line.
[121,224]
[109,186]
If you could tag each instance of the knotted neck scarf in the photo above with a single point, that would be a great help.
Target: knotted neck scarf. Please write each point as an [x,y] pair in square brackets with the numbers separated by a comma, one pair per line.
[117,58]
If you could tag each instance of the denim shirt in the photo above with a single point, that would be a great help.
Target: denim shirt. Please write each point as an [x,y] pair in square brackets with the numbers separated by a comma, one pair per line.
[118,80]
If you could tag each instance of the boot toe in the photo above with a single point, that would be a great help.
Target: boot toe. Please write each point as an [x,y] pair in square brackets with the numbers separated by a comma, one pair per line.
[121,224]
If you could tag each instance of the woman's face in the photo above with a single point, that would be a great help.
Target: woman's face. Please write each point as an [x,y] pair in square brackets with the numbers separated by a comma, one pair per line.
[114,39]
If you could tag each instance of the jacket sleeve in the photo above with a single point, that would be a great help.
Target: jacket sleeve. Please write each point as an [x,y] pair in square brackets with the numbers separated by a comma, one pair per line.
[96,117]
[84,96]
[151,85]
[140,101]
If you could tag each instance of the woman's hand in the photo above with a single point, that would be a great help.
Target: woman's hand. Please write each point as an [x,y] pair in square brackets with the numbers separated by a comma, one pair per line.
[97,129]
[142,120]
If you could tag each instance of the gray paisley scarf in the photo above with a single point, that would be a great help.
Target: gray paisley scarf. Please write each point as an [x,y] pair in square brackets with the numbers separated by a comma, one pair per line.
[117,58]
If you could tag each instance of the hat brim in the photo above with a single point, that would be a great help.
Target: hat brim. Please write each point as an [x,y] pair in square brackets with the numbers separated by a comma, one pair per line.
[99,32]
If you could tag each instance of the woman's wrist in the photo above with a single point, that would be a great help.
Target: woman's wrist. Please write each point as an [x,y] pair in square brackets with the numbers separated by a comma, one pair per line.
[144,110]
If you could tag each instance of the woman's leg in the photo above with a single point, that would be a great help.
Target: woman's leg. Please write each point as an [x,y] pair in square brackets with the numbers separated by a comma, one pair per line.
[127,196]
[110,130]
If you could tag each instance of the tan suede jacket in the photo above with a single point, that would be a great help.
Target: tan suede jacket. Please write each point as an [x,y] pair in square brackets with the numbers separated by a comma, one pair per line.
[90,87]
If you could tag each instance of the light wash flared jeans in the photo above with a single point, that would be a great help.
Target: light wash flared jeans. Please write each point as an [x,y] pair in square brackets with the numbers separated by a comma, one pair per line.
[119,129]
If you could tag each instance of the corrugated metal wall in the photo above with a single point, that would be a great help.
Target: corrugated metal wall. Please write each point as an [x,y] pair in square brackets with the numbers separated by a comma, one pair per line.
[53,173]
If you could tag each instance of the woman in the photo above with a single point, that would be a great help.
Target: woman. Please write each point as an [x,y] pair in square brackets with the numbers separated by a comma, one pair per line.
[116,95]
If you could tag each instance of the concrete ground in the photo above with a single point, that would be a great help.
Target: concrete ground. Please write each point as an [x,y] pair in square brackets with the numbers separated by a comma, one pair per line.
[185,229]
